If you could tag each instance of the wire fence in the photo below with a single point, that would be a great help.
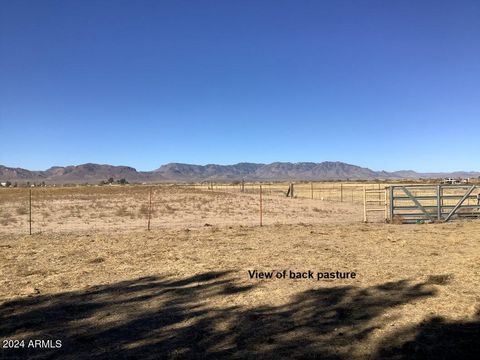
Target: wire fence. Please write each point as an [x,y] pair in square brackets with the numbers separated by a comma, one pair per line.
[91,208]
[339,192]
[129,207]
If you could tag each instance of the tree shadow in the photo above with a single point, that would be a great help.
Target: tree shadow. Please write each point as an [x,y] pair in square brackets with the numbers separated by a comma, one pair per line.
[159,317]
[435,338]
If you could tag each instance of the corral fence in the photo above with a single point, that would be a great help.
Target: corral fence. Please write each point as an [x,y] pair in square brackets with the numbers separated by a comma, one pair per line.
[433,203]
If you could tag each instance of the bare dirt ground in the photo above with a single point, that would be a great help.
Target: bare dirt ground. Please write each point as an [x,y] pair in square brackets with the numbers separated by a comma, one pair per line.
[185,291]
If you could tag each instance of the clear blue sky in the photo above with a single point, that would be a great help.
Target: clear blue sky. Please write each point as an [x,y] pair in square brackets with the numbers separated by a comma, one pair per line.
[384,84]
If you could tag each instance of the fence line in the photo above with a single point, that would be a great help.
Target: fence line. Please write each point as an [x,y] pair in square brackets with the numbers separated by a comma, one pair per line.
[340,192]
[139,206]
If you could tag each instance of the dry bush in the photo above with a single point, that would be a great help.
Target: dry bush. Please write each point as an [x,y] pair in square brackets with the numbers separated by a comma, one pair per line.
[145,210]
[7,219]
[75,213]
[122,211]
[397,220]
[22,210]
[169,209]
[97,205]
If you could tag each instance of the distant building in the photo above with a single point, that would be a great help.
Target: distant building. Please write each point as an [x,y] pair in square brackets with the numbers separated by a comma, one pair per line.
[451,181]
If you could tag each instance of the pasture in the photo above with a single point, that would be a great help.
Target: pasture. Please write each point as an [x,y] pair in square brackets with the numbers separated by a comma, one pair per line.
[92,276]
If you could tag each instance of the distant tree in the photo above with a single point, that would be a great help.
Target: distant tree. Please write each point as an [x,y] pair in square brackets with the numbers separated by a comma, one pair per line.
[8,184]
[122,181]
[110,180]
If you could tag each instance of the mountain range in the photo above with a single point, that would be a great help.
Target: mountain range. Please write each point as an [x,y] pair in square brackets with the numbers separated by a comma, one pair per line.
[177,172]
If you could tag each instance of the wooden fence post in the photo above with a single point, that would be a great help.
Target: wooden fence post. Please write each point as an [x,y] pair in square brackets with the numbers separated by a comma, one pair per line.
[30,212]
[364,203]
[149,209]
[261,207]
[341,192]
[311,188]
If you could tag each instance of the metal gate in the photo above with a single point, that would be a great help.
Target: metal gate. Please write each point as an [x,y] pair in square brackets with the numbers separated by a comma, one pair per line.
[375,204]
[433,203]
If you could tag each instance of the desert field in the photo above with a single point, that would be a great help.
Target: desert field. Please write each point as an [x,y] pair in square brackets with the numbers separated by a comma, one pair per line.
[116,207]
[92,277]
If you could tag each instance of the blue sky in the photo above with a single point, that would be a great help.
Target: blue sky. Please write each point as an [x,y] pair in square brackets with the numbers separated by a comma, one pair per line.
[384,84]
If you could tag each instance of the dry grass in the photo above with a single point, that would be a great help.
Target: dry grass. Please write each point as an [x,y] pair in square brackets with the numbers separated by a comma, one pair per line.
[407,276]
[183,290]
[124,208]
[7,219]
[21,210]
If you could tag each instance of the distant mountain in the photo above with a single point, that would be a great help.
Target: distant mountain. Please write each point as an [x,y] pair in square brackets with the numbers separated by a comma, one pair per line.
[92,173]
[186,172]
[173,172]
[85,173]
[410,174]
[313,171]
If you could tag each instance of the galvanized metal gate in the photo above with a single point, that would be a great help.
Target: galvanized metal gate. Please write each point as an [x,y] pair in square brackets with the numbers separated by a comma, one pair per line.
[433,203]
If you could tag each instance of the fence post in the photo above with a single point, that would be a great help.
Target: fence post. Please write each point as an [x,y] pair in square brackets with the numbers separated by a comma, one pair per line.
[391,199]
[30,211]
[149,209]
[261,207]
[311,188]
[386,204]
[341,192]
[364,203]
[439,208]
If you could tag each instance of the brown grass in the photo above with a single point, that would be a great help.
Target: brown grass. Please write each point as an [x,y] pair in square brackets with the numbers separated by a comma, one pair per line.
[122,211]
[126,208]
[183,289]
[21,210]
[7,219]
[407,275]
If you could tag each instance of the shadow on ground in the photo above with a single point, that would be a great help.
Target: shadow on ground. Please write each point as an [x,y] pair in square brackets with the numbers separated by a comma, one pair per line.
[154,317]
[435,338]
